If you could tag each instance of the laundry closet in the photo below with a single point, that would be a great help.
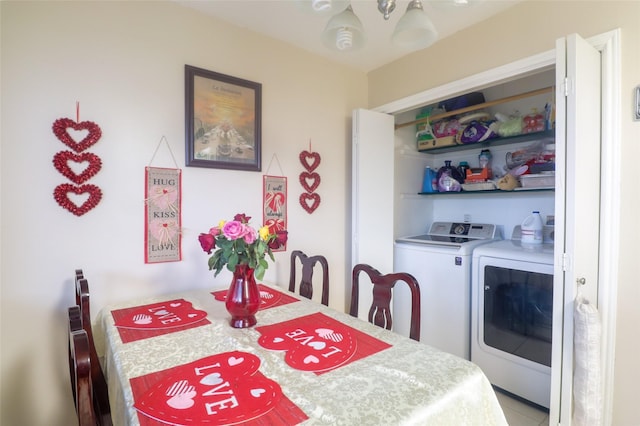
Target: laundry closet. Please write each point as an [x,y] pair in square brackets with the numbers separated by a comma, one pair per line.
[390,201]
[506,208]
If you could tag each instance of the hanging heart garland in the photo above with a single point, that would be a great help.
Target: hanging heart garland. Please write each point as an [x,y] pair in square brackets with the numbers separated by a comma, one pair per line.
[61,195]
[61,129]
[309,181]
[71,165]
[61,163]
[309,202]
[310,160]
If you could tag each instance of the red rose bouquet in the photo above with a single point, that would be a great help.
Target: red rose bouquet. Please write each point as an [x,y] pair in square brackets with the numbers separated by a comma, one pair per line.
[237,243]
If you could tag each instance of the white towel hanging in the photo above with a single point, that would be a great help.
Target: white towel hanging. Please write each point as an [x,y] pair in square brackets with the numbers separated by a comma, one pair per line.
[587,394]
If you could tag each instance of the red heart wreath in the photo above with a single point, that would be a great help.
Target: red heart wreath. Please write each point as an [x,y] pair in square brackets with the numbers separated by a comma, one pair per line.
[61,195]
[310,160]
[61,163]
[60,129]
[309,181]
[309,202]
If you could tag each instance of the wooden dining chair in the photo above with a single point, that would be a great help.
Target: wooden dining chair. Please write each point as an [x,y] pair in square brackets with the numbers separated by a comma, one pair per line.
[80,370]
[100,390]
[380,311]
[306,281]
[75,324]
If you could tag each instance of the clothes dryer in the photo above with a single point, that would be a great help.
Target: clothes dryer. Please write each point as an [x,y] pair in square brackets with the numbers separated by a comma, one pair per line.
[512,316]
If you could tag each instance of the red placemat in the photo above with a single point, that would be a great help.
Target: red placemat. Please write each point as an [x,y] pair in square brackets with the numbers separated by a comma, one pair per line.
[318,343]
[156,319]
[269,297]
[221,389]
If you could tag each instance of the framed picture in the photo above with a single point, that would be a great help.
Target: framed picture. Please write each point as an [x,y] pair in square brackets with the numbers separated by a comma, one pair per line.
[223,121]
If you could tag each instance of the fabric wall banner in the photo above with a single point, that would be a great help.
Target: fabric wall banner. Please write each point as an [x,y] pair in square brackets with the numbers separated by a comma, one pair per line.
[163,215]
[274,205]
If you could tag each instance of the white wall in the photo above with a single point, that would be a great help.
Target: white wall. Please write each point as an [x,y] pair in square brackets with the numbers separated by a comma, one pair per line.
[124,62]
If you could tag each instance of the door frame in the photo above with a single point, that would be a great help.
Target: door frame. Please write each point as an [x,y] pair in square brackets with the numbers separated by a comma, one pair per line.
[609,46]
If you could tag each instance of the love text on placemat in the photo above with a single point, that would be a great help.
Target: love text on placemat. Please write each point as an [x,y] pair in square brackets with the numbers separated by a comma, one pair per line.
[174,313]
[142,322]
[318,343]
[226,388]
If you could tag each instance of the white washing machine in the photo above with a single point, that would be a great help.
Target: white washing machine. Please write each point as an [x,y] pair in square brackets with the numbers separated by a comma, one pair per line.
[512,316]
[441,262]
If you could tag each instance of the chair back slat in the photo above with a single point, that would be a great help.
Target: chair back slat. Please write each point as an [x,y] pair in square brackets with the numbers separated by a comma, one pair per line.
[306,281]
[380,311]
[80,370]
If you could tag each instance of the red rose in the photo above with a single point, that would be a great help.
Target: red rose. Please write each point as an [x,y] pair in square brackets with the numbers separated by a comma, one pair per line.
[279,240]
[207,242]
[242,218]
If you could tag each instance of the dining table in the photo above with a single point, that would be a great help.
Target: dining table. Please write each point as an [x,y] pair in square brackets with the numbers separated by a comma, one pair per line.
[175,359]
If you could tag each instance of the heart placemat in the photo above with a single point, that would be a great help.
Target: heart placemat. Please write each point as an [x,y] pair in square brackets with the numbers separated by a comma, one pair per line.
[318,343]
[269,297]
[221,389]
[156,319]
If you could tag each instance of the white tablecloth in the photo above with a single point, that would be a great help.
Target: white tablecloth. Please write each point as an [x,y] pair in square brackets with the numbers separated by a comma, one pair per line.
[408,383]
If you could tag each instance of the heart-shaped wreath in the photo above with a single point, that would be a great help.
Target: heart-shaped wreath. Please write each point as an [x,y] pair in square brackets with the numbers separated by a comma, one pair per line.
[61,129]
[309,202]
[61,163]
[309,181]
[310,160]
[61,195]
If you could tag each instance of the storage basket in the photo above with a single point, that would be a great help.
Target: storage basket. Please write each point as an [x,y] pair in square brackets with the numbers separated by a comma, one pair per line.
[427,144]
[545,180]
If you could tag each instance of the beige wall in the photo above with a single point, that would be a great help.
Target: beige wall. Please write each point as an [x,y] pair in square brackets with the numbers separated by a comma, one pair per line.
[124,62]
[522,31]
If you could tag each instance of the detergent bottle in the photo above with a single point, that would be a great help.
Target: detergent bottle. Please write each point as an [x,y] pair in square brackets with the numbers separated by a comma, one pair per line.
[532,229]
[429,183]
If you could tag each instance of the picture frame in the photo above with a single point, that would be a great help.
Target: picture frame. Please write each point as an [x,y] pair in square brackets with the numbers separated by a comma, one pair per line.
[223,122]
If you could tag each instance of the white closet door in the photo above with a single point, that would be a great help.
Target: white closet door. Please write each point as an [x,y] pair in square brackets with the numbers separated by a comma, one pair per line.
[578,136]
[372,194]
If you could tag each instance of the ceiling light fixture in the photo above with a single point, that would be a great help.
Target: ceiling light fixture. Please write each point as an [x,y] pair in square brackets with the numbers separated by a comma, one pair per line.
[386,7]
[414,30]
[344,31]
[323,7]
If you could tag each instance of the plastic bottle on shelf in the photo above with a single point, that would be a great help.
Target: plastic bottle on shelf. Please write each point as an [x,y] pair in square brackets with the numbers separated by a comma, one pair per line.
[485,159]
[429,183]
[532,229]
[449,178]
[462,168]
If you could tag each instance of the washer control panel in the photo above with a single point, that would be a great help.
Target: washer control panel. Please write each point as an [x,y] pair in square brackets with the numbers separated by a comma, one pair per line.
[476,231]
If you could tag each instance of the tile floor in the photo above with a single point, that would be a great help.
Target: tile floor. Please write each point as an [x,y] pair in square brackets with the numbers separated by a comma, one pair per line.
[520,414]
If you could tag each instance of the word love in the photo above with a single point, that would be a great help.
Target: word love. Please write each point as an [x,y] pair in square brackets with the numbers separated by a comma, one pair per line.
[220,389]
[306,339]
[174,313]
[313,343]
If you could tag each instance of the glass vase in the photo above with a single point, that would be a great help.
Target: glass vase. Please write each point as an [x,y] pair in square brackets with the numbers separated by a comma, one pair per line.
[243,298]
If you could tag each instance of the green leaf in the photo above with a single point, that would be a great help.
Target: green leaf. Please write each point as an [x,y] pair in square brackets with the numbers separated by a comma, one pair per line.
[233,261]
[259,272]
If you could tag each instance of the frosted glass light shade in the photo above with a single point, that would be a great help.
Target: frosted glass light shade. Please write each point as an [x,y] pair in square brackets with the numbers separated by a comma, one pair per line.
[453,4]
[323,7]
[344,32]
[414,30]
